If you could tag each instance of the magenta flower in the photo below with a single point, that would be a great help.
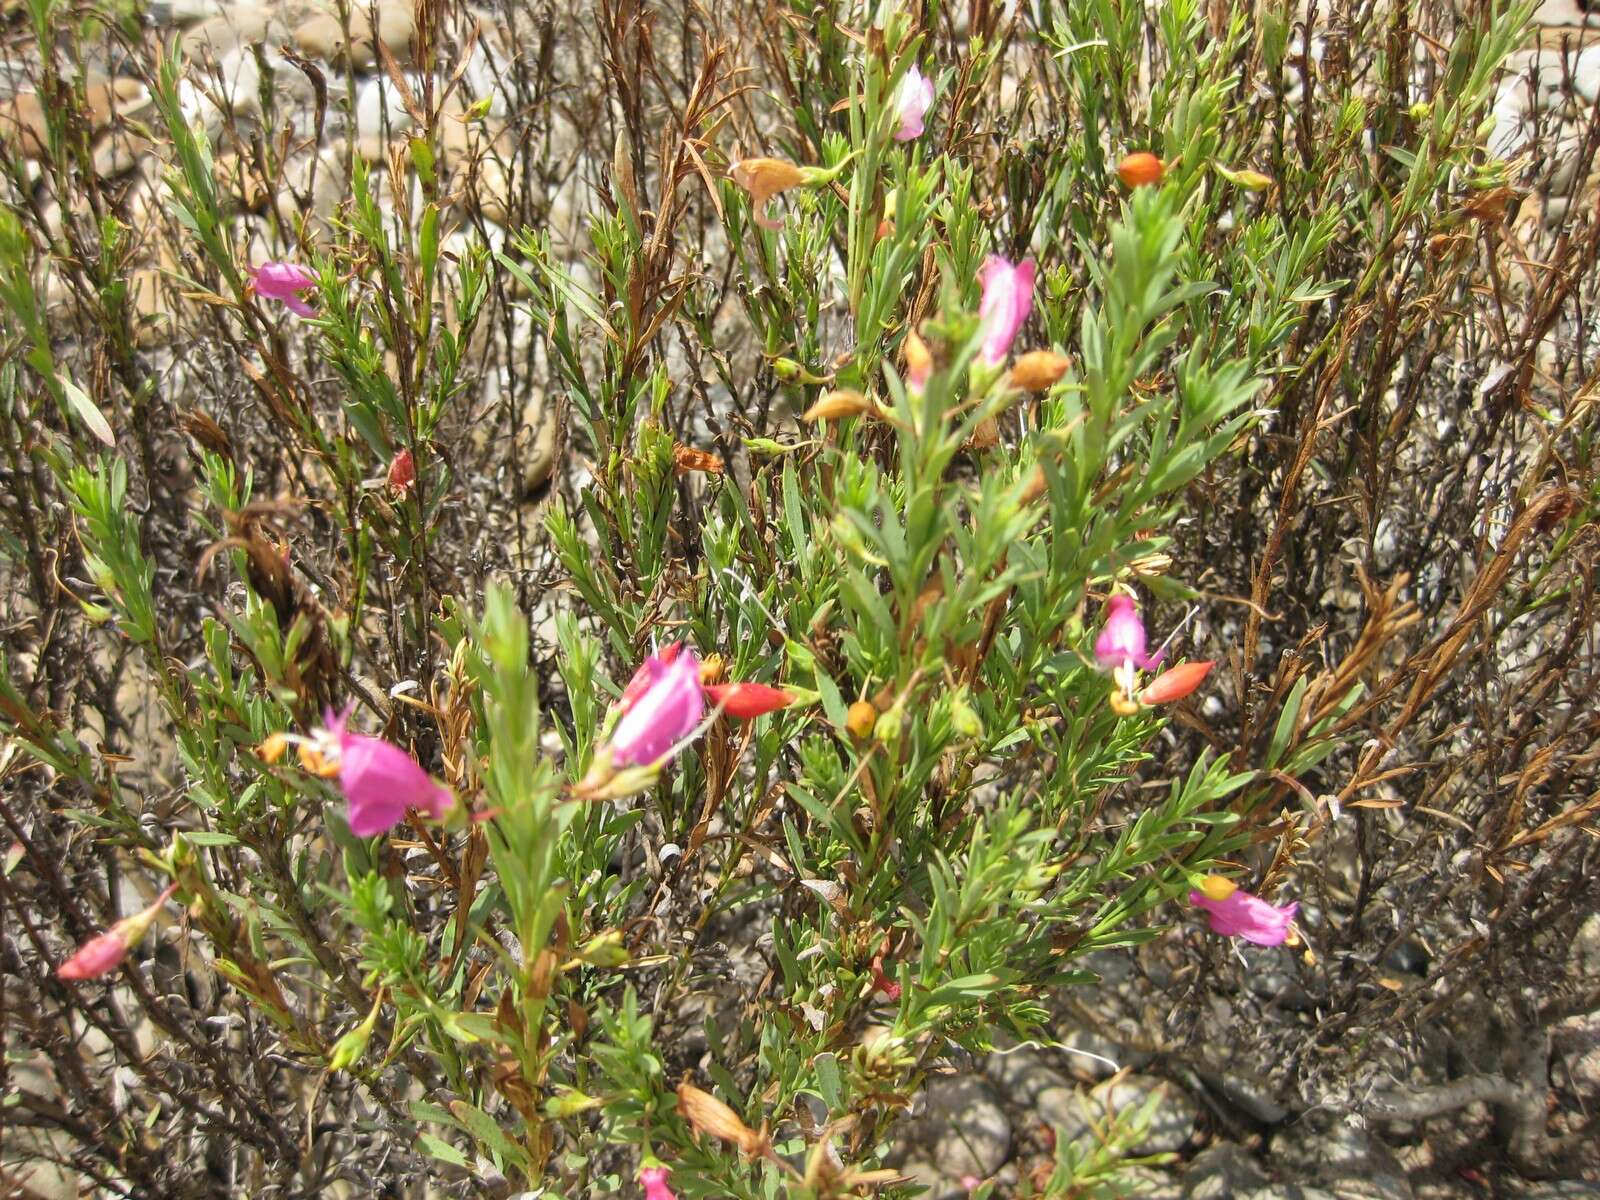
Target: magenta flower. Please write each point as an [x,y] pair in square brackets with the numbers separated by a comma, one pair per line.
[654,1180]
[1007,301]
[1241,915]
[912,100]
[663,702]
[103,953]
[1121,642]
[381,782]
[284,282]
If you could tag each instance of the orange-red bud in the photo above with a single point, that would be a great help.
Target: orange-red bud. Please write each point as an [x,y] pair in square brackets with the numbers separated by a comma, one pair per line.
[1140,169]
[746,701]
[1176,683]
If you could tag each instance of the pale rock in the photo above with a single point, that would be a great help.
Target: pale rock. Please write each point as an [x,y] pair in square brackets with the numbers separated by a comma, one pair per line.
[1022,1073]
[1585,66]
[1585,952]
[1172,1124]
[371,148]
[152,313]
[322,175]
[966,1126]
[537,440]
[1344,1159]
[482,80]
[1222,1172]
[183,12]
[321,35]
[1564,12]
[22,116]
[926,1175]
[238,179]
[218,36]
[379,108]
[117,153]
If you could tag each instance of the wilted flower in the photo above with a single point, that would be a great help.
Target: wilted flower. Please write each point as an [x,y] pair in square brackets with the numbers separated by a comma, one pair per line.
[1176,683]
[748,700]
[1037,370]
[1234,912]
[379,780]
[881,981]
[284,282]
[1122,642]
[402,475]
[654,1181]
[102,954]
[661,704]
[706,1114]
[765,178]
[1007,301]
[912,100]
[1140,169]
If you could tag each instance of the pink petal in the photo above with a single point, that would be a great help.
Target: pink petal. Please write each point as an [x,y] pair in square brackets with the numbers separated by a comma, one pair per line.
[662,715]
[381,782]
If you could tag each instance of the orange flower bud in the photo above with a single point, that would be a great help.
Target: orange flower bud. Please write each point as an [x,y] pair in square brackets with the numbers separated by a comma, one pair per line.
[272,748]
[1218,887]
[919,362]
[1140,169]
[1038,370]
[861,718]
[1176,683]
[837,405]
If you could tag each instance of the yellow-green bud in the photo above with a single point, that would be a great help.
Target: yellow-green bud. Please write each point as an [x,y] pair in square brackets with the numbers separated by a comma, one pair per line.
[889,723]
[347,1051]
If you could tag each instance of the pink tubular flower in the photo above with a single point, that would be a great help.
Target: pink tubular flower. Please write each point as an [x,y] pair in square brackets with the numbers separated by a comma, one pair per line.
[103,954]
[1234,912]
[284,282]
[1121,641]
[381,782]
[1007,301]
[912,100]
[654,1180]
[662,703]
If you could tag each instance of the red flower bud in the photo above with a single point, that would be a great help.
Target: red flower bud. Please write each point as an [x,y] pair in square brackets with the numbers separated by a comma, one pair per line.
[1176,683]
[748,700]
